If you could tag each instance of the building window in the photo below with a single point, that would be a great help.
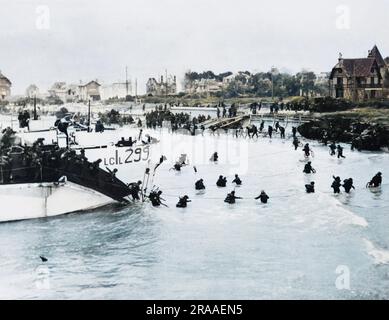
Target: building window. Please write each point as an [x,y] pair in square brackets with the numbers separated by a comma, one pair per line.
[339,81]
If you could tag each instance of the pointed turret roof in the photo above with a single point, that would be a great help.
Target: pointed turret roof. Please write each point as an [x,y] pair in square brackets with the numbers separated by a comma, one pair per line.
[375,53]
[3,77]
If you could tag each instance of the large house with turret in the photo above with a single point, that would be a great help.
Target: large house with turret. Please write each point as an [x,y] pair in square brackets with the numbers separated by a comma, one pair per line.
[360,79]
[167,86]
[5,87]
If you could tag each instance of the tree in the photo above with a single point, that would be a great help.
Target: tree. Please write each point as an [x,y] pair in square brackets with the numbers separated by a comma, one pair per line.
[307,80]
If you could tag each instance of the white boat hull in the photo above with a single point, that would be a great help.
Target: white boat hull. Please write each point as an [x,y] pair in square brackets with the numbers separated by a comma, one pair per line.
[39,200]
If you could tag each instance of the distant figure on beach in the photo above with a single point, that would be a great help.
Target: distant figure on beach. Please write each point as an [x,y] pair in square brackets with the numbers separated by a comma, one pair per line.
[332,149]
[221,182]
[336,184]
[308,169]
[348,185]
[310,188]
[183,202]
[156,199]
[262,126]
[254,131]
[135,190]
[282,132]
[263,197]
[270,131]
[177,166]
[294,131]
[231,197]
[340,151]
[199,185]
[376,181]
[99,127]
[214,157]
[296,143]
[307,150]
[237,180]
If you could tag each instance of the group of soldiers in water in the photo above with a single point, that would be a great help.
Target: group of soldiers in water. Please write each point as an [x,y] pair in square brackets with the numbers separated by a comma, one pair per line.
[375,182]
[335,150]
[34,157]
[253,131]
[181,120]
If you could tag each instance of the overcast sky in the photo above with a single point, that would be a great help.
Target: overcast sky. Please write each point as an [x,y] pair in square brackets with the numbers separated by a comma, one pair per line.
[97,39]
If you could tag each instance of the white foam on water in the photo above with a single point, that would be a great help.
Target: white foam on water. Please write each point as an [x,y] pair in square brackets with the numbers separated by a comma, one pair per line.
[381,256]
[321,209]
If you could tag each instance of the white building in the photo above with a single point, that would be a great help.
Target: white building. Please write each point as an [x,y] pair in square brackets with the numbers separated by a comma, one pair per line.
[90,91]
[5,87]
[119,90]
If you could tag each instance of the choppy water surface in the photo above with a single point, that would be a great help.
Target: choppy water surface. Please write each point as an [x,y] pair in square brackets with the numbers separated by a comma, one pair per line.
[289,248]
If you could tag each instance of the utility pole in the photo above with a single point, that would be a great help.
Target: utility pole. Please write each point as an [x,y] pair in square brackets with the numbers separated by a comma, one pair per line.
[272,87]
[89,115]
[136,89]
[35,115]
[166,85]
[126,82]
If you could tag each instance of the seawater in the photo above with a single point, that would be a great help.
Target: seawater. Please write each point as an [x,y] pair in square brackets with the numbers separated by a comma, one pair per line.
[291,248]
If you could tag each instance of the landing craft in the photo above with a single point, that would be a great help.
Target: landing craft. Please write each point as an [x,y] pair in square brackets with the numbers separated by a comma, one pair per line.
[58,183]
[40,180]
[131,161]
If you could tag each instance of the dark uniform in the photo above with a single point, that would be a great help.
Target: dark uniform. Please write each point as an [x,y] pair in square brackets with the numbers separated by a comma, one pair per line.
[221,182]
[336,185]
[340,152]
[155,198]
[332,149]
[237,180]
[231,198]
[376,181]
[310,188]
[183,202]
[263,197]
[307,150]
[199,185]
[296,143]
[135,189]
[348,184]
[308,168]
